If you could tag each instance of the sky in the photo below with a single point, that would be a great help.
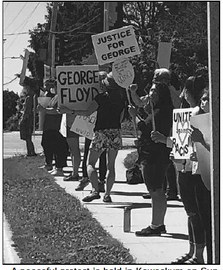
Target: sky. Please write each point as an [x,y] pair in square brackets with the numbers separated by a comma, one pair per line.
[18,17]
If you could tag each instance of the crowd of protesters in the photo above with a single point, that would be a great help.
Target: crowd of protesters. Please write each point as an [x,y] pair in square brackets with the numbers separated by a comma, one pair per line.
[159,171]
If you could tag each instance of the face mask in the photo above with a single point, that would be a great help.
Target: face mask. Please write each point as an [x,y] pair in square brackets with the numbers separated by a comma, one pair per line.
[52,91]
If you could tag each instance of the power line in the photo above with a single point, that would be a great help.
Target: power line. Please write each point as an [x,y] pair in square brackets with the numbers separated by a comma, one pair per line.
[24,23]
[10,81]
[63,32]
[16,16]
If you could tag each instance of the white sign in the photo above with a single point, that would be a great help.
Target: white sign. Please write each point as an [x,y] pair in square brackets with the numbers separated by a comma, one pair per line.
[84,125]
[115,44]
[44,101]
[47,72]
[202,122]
[164,53]
[24,66]
[182,147]
[123,72]
[77,86]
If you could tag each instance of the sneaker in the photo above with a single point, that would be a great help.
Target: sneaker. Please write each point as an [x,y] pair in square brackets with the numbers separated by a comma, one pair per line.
[83,183]
[48,167]
[107,199]
[57,172]
[93,196]
[146,196]
[71,178]
[151,232]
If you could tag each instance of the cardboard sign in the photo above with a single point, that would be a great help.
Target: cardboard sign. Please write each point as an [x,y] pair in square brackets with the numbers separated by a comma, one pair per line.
[202,122]
[182,146]
[47,72]
[44,101]
[84,125]
[24,66]
[115,44]
[77,86]
[123,72]
[164,53]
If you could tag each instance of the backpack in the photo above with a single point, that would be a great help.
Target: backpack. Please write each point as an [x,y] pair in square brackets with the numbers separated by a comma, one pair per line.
[134,175]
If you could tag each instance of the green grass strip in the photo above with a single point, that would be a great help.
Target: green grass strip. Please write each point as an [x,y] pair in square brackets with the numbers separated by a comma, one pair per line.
[50,226]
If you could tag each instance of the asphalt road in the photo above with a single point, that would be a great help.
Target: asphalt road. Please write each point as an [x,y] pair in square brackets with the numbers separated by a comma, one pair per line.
[13,145]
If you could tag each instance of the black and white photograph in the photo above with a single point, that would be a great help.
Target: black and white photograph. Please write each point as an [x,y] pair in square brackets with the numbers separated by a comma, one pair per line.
[111,135]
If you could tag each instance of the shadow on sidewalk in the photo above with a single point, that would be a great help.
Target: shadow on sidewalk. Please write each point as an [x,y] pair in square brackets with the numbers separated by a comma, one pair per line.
[124,193]
[176,236]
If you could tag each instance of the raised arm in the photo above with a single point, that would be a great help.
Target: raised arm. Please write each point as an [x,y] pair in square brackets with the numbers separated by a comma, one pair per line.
[91,108]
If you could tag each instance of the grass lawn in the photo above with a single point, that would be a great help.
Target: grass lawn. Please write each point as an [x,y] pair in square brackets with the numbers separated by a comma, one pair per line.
[50,226]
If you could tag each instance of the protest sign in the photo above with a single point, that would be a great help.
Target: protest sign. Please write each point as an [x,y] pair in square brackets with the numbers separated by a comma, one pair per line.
[77,86]
[24,66]
[123,72]
[43,101]
[47,72]
[202,122]
[115,44]
[164,53]
[84,125]
[182,147]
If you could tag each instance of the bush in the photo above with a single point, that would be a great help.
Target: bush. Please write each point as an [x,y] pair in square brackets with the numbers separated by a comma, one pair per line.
[12,124]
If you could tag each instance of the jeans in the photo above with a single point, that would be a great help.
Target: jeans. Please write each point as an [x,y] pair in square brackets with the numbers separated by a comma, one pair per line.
[197,203]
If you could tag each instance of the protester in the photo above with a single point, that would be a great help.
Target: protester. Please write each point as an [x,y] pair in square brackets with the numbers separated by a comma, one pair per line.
[194,194]
[53,142]
[102,160]
[27,124]
[107,135]
[154,158]
[102,169]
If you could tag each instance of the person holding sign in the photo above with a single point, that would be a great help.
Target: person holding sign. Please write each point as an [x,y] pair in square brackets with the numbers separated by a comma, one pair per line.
[154,158]
[53,143]
[30,87]
[107,133]
[192,188]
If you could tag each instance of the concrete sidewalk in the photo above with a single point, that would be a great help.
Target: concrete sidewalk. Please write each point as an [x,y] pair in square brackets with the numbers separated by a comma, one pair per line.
[145,250]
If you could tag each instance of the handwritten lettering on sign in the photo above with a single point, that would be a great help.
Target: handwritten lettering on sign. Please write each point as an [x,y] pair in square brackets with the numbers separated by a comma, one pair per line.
[84,125]
[182,147]
[123,72]
[115,44]
[77,86]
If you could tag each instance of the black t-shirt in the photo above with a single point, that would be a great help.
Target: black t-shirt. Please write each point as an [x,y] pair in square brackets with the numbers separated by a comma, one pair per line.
[157,152]
[111,105]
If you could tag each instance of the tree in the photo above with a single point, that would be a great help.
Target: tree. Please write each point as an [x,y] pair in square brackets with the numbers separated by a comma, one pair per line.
[9,105]
[182,23]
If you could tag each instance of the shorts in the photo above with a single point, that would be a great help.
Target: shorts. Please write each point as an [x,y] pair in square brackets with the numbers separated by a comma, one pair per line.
[106,139]
[154,174]
[71,134]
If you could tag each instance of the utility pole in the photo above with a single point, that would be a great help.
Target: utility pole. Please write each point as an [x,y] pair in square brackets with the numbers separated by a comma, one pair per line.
[105,25]
[52,39]
[213,16]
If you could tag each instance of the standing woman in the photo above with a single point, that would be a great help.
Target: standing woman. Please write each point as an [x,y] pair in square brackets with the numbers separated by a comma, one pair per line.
[154,158]
[194,195]
[107,133]
[26,124]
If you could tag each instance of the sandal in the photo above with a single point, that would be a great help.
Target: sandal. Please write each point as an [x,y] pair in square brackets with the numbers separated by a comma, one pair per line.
[182,259]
